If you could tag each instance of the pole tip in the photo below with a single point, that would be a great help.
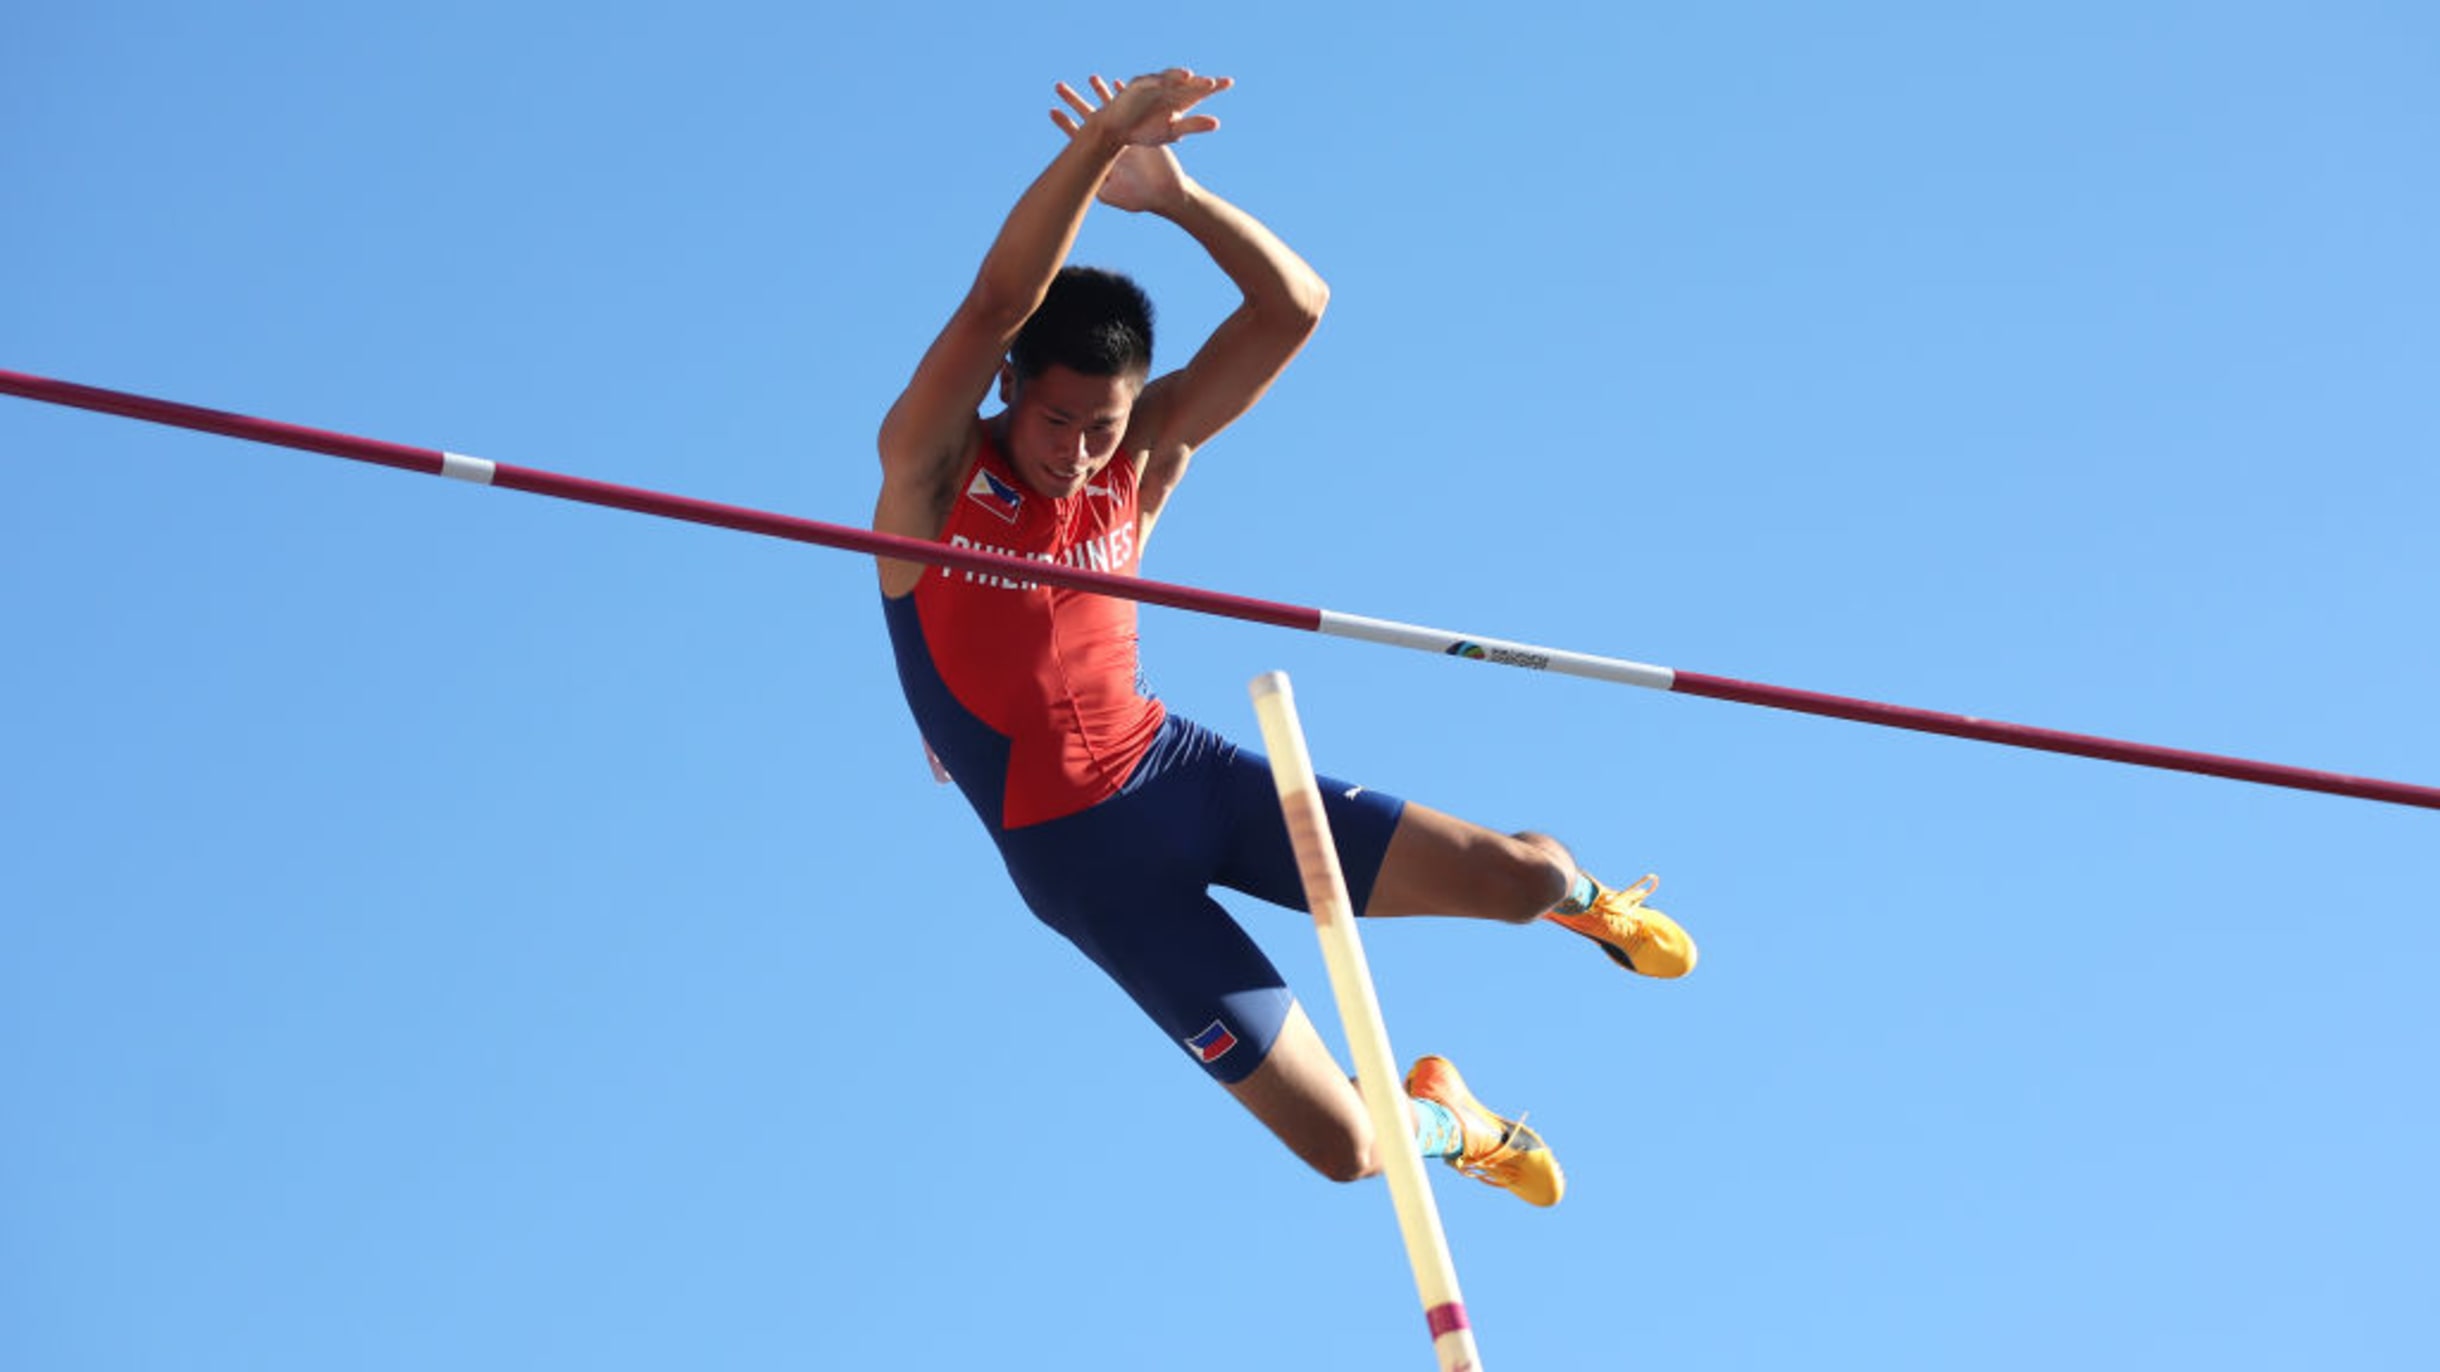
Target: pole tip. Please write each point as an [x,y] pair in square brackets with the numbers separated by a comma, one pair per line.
[1268,684]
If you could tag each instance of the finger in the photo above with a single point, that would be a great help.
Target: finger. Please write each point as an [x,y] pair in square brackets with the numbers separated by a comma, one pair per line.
[1184,90]
[1075,102]
[1105,89]
[1066,122]
[1193,123]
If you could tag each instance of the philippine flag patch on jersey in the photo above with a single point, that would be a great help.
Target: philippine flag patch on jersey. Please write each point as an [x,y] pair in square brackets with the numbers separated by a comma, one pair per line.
[1212,1044]
[995,495]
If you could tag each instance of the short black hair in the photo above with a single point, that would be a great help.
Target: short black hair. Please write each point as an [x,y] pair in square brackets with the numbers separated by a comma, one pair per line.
[1091,321]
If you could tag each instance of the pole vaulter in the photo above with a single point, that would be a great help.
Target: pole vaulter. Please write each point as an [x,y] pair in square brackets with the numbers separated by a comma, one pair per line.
[434,462]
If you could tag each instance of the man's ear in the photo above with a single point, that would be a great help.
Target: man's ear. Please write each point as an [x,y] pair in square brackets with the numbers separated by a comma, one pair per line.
[1008,384]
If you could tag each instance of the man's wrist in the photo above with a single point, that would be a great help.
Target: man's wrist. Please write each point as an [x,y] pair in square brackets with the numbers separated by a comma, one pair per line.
[1100,139]
[1190,200]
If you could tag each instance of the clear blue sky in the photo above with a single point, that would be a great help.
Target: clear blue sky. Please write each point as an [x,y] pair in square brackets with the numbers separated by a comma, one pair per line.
[448,928]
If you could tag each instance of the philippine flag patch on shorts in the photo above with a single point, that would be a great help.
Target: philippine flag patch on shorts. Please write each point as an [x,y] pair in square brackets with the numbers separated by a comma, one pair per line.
[1212,1044]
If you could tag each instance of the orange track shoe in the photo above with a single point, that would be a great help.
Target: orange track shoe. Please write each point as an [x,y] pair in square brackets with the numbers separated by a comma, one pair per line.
[1636,936]
[1503,1152]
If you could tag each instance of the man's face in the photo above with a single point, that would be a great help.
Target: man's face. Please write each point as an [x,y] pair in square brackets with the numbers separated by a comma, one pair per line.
[1064,426]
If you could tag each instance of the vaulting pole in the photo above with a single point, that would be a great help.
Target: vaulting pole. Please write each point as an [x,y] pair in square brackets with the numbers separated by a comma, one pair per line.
[434,462]
[1334,920]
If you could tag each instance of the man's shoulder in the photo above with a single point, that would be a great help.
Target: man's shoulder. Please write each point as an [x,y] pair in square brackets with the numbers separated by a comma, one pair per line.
[918,487]
[939,461]
[1153,407]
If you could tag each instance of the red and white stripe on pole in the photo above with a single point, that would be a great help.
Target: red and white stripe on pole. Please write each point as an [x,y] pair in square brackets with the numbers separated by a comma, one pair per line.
[435,462]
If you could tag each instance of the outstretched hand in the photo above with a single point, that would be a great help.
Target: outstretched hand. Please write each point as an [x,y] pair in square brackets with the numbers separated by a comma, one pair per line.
[1147,113]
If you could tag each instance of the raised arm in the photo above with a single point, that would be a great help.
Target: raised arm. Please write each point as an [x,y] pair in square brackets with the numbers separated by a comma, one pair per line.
[1283,302]
[927,436]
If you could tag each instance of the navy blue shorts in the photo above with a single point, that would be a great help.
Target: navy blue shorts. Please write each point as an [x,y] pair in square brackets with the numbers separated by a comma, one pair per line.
[1127,882]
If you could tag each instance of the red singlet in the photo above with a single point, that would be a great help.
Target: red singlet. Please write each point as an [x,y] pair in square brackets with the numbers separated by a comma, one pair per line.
[1053,671]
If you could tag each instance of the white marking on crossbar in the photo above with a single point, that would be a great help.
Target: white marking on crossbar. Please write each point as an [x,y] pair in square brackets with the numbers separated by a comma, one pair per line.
[1503,651]
[459,467]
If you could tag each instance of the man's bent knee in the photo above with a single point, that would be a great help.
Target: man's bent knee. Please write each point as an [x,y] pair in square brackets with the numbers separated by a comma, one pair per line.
[1545,871]
[1340,1149]
[1349,1158]
[1301,1096]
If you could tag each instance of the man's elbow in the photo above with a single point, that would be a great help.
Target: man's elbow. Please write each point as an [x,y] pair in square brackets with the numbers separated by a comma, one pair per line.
[1301,307]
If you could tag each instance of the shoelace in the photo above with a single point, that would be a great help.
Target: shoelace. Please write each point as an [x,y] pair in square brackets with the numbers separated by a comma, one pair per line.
[1481,1169]
[1630,897]
[1623,902]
